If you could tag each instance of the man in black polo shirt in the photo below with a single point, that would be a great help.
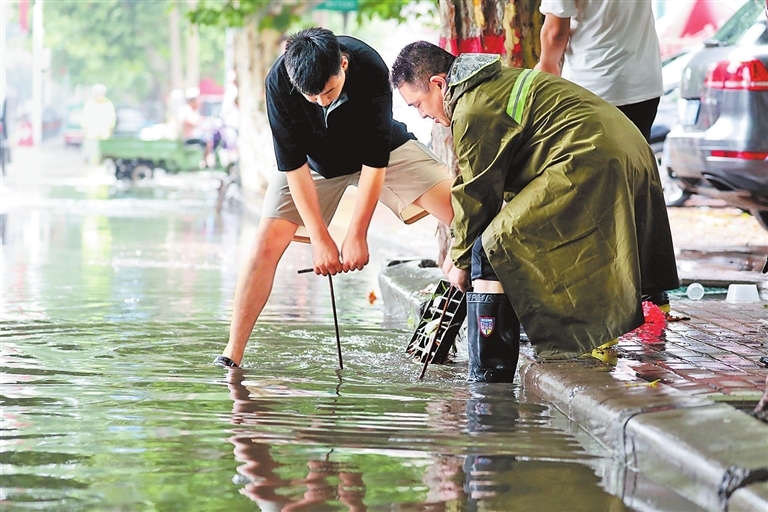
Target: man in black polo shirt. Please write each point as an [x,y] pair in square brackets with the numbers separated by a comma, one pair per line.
[329,105]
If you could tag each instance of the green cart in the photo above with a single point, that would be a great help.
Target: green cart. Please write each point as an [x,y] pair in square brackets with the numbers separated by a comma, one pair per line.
[134,158]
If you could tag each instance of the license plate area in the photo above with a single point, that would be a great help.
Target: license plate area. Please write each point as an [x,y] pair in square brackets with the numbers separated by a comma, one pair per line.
[688,110]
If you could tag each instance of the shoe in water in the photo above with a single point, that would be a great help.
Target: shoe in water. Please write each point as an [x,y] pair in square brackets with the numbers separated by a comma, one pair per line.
[225,362]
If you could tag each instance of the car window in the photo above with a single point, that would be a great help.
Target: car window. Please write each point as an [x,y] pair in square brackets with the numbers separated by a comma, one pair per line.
[747,26]
[672,70]
[756,34]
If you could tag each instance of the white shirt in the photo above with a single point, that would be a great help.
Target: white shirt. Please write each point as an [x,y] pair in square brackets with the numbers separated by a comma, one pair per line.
[613,49]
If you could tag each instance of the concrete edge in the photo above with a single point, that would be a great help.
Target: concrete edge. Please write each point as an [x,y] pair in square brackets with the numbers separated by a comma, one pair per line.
[753,497]
[703,453]
[599,403]
[647,427]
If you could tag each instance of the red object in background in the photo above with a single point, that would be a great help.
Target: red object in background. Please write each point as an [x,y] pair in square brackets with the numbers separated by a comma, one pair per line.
[688,23]
[703,14]
[210,88]
[484,44]
[24,15]
[25,134]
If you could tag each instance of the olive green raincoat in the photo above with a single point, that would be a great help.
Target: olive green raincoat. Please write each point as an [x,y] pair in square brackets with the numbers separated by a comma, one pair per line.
[565,193]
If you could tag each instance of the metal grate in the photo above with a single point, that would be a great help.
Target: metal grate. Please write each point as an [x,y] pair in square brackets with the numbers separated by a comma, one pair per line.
[440,321]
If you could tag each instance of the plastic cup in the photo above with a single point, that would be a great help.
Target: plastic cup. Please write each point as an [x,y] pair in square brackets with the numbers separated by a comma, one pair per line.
[742,293]
[695,291]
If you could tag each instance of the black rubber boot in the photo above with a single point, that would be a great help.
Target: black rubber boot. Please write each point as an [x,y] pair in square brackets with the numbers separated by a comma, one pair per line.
[493,338]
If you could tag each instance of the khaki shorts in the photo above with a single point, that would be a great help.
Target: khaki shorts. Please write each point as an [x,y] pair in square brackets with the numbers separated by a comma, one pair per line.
[413,169]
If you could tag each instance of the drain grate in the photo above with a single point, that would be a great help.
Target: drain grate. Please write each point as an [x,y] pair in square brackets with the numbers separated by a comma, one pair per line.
[441,319]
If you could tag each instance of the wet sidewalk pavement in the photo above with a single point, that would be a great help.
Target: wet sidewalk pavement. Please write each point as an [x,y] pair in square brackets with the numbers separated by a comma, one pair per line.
[671,400]
[707,347]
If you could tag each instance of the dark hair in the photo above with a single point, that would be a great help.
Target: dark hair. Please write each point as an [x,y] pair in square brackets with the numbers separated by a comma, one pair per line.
[312,57]
[419,61]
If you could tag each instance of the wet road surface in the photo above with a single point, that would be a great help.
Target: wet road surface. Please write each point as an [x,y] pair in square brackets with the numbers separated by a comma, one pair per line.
[116,297]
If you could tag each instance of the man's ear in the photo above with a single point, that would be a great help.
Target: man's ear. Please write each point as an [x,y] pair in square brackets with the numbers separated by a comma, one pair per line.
[439,81]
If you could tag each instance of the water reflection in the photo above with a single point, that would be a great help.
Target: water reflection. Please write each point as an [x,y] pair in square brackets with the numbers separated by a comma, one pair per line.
[469,457]
[116,299]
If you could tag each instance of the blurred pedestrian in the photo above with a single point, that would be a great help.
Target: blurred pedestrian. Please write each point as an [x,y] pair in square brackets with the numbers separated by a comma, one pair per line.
[197,128]
[97,120]
[189,115]
[563,194]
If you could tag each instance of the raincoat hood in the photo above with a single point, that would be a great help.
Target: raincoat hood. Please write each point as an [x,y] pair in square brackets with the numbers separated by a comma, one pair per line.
[467,70]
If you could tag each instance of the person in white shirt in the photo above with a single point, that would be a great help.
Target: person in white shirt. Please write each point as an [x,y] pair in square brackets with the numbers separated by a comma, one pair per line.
[196,128]
[609,47]
[97,120]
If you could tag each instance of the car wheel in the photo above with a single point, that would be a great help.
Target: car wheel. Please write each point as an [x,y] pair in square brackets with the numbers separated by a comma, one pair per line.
[674,194]
[140,172]
[762,217]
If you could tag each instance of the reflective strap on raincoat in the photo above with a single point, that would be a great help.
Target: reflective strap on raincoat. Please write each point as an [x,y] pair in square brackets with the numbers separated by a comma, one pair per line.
[518,94]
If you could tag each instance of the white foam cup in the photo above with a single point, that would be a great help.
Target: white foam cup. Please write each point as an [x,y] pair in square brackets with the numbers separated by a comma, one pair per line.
[742,293]
[695,291]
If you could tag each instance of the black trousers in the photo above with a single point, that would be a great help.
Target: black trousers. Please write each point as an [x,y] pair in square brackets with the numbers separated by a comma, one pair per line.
[481,267]
[642,115]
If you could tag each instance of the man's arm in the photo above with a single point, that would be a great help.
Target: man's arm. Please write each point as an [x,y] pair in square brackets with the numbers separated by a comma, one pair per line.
[354,250]
[325,254]
[555,34]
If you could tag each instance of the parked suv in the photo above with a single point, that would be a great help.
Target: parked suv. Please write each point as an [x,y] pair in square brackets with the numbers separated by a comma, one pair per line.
[720,146]
[666,118]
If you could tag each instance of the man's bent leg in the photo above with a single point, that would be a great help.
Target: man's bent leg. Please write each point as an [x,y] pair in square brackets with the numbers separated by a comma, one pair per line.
[254,283]
[437,201]
[416,176]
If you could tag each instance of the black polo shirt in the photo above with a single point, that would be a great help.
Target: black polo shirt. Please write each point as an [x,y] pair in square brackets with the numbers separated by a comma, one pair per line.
[359,132]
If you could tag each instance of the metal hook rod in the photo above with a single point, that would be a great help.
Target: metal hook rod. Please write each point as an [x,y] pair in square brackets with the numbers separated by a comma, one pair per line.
[335,318]
[335,322]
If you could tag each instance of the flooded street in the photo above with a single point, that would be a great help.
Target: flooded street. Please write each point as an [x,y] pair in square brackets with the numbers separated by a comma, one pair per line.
[115,299]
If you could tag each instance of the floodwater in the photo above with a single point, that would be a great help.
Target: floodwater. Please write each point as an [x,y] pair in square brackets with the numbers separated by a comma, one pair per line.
[115,299]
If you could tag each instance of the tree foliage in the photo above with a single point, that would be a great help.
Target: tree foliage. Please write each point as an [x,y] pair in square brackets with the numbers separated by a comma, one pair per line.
[280,15]
[274,14]
[121,43]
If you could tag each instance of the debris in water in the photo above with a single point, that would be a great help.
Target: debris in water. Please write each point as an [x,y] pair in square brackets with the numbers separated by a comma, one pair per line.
[672,318]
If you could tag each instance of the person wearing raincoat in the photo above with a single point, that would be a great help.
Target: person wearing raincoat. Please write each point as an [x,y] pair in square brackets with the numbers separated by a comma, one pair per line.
[563,193]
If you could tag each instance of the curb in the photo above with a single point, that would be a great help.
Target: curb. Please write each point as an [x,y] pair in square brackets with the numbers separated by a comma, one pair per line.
[707,452]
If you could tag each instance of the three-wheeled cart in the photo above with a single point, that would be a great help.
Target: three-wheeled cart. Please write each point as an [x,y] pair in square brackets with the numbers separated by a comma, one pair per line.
[134,158]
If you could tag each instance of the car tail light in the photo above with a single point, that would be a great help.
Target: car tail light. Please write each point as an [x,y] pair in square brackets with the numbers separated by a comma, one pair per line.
[741,155]
[751,75]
